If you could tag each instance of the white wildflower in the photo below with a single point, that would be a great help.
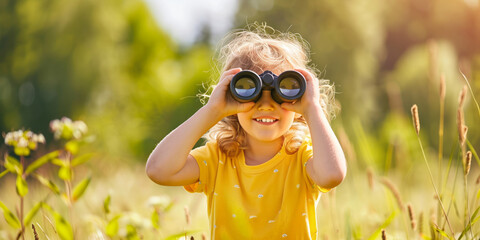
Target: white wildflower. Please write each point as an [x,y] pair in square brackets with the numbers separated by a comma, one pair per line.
[67,129]
[158,201]
[39,138]
[22,142]
[9,138]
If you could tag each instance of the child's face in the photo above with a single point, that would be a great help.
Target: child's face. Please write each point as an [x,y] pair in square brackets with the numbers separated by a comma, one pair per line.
[266,121]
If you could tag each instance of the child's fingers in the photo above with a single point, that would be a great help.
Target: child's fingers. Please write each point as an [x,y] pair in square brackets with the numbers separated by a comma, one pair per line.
[228,75]
[308,76]
[293,107]
[224,81]
[312,81]
[245,107]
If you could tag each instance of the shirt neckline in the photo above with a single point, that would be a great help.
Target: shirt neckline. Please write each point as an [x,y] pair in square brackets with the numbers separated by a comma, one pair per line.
[261,167]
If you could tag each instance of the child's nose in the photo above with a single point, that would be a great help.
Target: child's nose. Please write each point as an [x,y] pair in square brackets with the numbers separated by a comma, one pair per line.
[266,102]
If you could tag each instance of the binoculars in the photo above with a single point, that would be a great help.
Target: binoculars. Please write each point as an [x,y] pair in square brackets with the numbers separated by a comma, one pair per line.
[247,86]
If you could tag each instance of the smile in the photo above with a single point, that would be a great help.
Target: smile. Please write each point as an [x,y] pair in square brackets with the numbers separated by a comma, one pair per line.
[265,120]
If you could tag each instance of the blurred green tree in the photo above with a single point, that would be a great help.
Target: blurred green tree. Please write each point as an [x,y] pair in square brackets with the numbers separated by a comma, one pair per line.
[382,57]
[106,62]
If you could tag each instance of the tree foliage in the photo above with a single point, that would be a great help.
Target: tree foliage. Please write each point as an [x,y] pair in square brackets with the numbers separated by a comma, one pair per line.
[104,62]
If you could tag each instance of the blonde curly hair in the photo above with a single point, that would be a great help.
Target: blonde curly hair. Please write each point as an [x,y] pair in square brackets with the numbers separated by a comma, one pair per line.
[259,50]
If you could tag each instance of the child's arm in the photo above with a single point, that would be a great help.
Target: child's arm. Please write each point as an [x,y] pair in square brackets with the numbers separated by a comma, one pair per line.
[327,168]
[170,162]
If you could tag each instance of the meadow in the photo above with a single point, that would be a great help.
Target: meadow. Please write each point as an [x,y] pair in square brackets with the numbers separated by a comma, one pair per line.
[88,88]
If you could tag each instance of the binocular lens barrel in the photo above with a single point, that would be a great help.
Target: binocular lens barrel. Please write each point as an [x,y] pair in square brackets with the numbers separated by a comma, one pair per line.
[247,86]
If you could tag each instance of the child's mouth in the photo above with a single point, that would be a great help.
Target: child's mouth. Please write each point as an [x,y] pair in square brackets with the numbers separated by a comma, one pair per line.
[266,120]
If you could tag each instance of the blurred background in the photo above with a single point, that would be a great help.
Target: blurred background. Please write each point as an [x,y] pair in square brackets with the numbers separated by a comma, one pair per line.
[131,70]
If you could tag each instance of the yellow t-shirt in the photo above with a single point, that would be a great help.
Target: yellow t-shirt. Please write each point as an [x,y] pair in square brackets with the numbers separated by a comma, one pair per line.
[273,200]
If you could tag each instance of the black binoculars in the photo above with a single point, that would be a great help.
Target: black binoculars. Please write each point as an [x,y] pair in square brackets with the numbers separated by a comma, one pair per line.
[247,86]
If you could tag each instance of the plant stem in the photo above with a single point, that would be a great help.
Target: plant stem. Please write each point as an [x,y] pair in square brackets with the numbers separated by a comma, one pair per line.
[467,221]
[433,183]
[440,154]
[471,92]
[22,162]
[70,189]
[454,184]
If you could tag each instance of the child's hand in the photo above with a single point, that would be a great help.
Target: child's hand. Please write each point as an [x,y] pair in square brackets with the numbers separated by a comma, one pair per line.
[222,102]
[310,100]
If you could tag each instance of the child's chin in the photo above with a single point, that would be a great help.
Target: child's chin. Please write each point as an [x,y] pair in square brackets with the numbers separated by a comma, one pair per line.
[268,138]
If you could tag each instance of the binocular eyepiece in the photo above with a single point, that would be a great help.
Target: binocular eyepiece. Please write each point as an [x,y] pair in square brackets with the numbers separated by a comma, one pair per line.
[247,86]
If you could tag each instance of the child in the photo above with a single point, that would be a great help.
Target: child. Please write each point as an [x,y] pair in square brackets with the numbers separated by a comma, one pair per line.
[265,164]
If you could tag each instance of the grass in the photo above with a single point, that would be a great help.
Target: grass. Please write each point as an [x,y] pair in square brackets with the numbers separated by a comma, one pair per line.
[368,204]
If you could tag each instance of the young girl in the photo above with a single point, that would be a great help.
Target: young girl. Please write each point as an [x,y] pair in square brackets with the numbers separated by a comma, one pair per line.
[265,164]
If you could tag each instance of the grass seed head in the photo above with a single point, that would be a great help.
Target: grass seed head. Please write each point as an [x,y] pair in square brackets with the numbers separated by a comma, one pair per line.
[370,178]
[187,215]
[411,215]
[461,97]
[416,119]
[389,184]
[468,162]
[35,235]
[442,87]
[461,126]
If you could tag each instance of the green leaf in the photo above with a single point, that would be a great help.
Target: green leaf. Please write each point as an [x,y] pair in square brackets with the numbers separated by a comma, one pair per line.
[472,222]
[64,229]
[48,183]
[11,219]
[81,159]
[170,206]
[155,220]
[12,165]
[72,146]
[80,188]
[42,160]
[132,232]
[22,188]
[112,226]
[3,173]
[65,173]
[62,226]
[474,214]
[425,237]
[59,162]
[106,204]
[32,213]
[443,233]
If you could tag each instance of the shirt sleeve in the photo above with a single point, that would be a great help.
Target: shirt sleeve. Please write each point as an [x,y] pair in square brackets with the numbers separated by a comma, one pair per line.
[306,154]
[207,157]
